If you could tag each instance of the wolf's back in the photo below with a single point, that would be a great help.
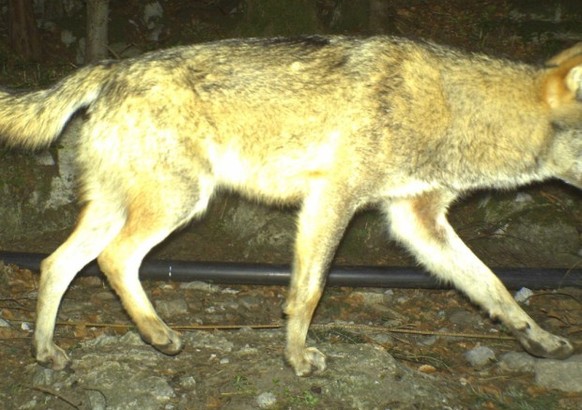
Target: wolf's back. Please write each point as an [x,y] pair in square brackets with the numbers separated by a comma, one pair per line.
[35,119]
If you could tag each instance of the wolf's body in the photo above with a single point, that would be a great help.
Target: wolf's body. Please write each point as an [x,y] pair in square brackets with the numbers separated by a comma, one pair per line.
[332,123]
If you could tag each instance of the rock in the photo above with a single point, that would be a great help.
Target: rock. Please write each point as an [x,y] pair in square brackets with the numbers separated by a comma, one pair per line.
[91,281]
[523,295]
[369,378]
[172,307]
[266,400]
[379,302]
[517,362]
[427,340]
[427,368]
[129,339]
[522,197]
[371,298]
[248,351]
[103,296]
[97,400]
[42,376]
[188,382]
[206,340]
[464,317]
[564,375]
[480,356]
[198,285]
[138,391]
[250,302]
[382,338]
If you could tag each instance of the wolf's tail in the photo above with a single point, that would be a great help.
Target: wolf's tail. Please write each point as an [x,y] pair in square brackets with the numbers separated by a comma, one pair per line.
[35,119]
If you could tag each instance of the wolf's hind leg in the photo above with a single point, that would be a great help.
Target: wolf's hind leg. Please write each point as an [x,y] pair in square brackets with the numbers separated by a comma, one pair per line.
[98,223]
[420,223]
[322,221]
[150,220]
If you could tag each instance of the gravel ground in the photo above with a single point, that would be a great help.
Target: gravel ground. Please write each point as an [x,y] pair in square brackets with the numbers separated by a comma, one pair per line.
[387,349]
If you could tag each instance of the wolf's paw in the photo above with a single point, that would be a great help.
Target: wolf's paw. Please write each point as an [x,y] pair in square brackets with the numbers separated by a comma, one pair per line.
[167,342]
[307,362]
[51,357]
[540,343]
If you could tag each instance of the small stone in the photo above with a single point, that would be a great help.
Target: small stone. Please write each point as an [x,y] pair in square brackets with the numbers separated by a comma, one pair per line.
[427,340]
[188,382]
[266,400]
[198,285]
[517,362]
[158,387]
[480,356]
[463,317]
[371,298]
[523,295]
[43,376]
[248,350]
[90,281]
[250,302]
[427,368]
[522,197]
[170,308]
[45,158]
[131,339]
[103,296]
[382,338]
[96,399]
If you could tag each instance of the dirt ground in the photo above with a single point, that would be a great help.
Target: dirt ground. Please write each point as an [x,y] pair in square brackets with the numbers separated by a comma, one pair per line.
[234,350]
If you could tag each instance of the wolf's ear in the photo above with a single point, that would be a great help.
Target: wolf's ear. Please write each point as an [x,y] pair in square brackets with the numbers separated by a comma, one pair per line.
[562,84]
[563,78]
[574,82]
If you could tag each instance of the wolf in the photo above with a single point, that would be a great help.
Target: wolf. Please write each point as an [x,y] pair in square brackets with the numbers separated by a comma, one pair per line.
[332,123]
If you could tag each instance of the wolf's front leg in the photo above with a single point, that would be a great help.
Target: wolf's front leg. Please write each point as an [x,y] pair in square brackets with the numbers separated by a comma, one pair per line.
[322,221]
[420,223]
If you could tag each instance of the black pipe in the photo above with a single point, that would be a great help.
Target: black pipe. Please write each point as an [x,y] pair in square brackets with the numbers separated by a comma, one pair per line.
[353,276]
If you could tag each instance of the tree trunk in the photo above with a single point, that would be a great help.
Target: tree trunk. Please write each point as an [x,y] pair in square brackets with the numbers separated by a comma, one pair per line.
[23,32]
[97,19]
[266,18]
[379,16]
